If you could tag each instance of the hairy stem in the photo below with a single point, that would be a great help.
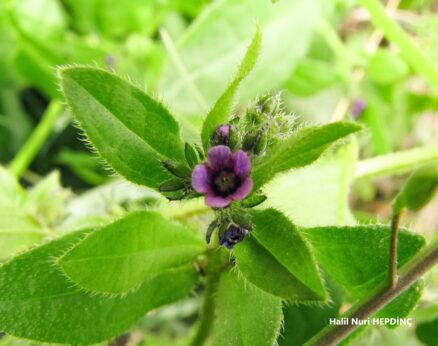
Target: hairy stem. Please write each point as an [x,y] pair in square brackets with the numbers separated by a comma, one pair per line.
[36,140]
[395,221]
[409,50]
[217,261]
[409,274]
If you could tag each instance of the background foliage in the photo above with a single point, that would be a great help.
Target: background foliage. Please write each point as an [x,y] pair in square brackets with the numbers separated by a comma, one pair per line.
[330,63]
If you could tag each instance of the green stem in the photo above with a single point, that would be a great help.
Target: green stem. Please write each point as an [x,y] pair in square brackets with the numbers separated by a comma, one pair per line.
[409,50]
[409,274]
[207,311]
[36,140]
[217,261]
[395,163]
[395,221]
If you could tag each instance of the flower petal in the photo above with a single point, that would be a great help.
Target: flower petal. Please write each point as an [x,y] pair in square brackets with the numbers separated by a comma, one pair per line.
[217,201]
[200,179]
[243,190]
[220,157]
[242,163]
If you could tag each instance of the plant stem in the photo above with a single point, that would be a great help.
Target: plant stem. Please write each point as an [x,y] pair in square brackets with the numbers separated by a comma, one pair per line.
[207,311]
[395,221]
[36,140]
[409,50]
[395,163]
[216,262]
[409,273]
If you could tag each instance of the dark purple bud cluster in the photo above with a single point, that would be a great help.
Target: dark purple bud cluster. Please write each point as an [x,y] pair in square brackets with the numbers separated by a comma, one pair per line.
[233,235]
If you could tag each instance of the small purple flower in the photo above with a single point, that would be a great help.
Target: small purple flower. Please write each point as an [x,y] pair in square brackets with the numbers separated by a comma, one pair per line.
[232,236]
[224,178]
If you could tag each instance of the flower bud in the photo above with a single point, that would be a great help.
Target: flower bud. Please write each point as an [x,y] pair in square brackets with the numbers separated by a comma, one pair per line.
[233,235]
[255,141]
[221,135]
[177,169]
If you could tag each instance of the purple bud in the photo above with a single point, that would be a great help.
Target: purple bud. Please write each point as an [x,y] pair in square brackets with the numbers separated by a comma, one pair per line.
[221,135]
[358,108]
[233,235]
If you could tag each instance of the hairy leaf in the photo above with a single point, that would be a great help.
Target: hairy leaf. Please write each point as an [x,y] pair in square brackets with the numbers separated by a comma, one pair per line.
[119,257]
[18,231]
[358,256]
[39,303]
[246,315]
[301,149]
[276,258]
[131,131]
[222,109]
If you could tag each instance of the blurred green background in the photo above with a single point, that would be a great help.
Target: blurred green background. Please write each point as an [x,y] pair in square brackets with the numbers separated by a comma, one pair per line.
[326,56]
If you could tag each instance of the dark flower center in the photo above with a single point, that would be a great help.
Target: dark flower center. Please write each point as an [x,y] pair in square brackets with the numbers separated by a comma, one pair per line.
[225,183]
[232,236]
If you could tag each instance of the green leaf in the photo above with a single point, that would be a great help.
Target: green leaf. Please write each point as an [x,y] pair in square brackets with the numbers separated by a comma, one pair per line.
[245,316]
[301,322]
[419,189]
[222,109]
[11,193]
[402,305]
[208,53]
[125,125]
[301,149]
[426,332]
[119,257]
[311,76]
[386,67]
[39,303]
[276,258]
[324,185]
[46,201]
[18,231]
[357,257]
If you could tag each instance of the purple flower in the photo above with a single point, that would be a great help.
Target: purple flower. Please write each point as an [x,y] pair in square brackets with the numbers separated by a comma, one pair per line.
[224,178]
[232,236]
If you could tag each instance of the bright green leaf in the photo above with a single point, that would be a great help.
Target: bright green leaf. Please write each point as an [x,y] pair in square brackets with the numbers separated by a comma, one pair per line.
[245,316]
[386,67]
[358,256]
[276,258]
[11,193]
[283,240]
[124,124]
[311,76]
[301,149]
[17,231]
[262,269]
[324,185]
[301,321]
[216,40]
[39,303]
[223,107]
[419,189]
[121,256]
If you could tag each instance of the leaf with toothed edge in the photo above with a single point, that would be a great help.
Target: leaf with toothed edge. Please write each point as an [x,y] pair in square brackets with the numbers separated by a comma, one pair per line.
[119,257]
[223,107]
[124,124]
[39,303]
[299,150]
